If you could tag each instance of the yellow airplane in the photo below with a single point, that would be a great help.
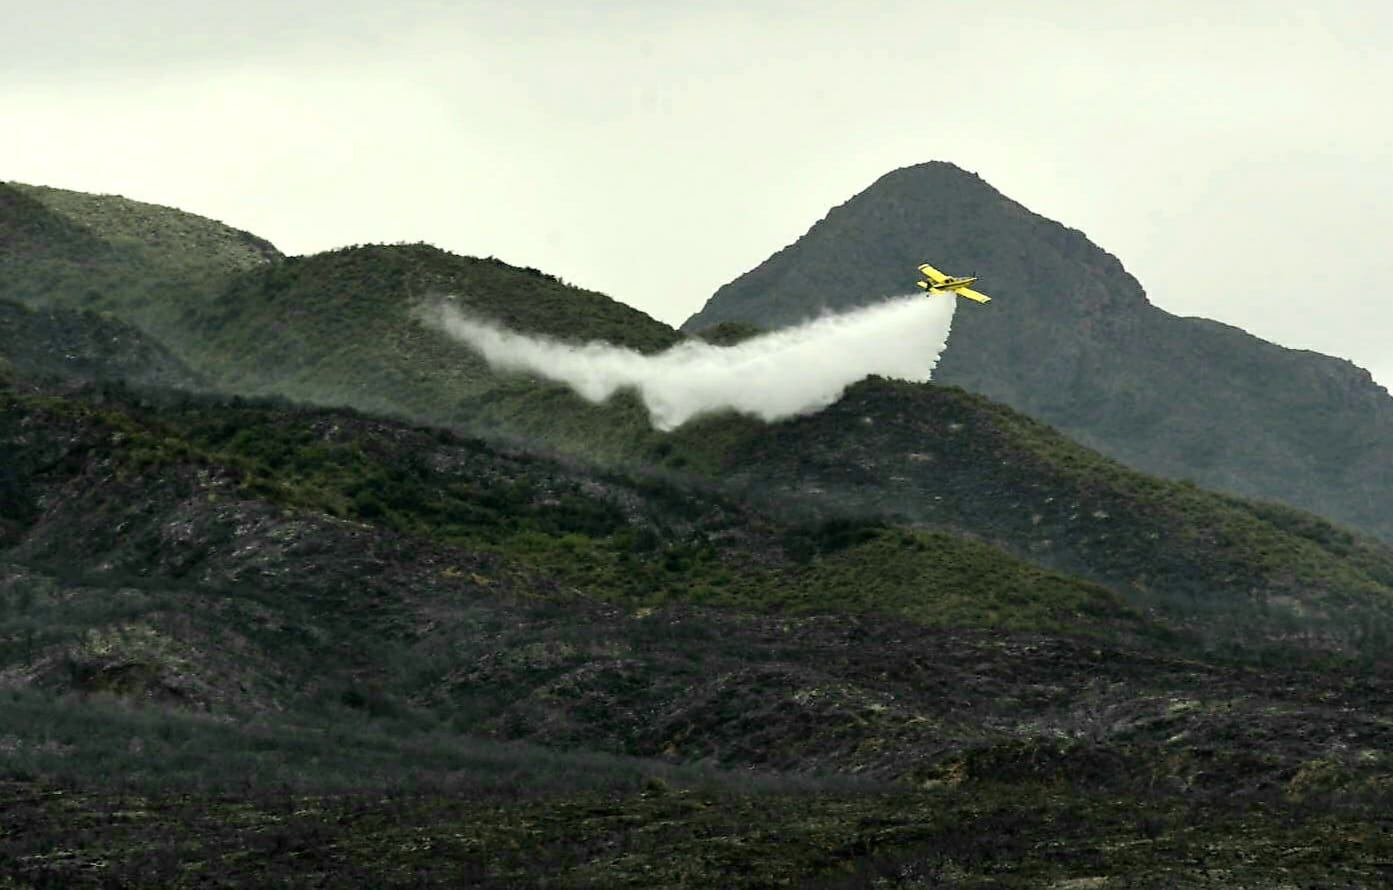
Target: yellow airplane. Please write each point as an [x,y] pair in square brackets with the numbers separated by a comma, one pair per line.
[938,283]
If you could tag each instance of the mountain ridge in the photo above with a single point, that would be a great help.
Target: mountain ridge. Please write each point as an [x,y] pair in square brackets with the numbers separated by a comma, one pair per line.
[155,227]
[343,328]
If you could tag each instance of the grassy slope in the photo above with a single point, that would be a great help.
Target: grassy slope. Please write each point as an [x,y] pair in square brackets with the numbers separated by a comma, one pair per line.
[345,327]
[142,262]
[942,457]
[43,253]
[336,328]
[1248,573]
[171,239]
[640,540]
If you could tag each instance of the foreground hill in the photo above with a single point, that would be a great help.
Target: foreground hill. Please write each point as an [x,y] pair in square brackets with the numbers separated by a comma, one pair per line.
[257,641]
[1073,341]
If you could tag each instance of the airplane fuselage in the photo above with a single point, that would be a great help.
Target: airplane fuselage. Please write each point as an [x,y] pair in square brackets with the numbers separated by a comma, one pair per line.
[951,284]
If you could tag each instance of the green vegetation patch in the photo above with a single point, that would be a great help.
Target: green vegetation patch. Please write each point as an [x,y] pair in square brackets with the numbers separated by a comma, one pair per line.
[642,540]
[936,579]
[688,549]
[1240,573]
[173,239]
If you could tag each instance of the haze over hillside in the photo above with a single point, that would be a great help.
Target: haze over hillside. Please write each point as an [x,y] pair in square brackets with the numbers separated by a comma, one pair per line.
[1072,339]
[66,343]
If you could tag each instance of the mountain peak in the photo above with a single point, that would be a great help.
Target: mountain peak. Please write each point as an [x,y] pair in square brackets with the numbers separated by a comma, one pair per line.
[867,249]
[937,173]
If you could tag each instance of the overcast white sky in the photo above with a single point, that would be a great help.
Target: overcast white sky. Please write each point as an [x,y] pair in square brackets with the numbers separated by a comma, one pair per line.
[1236,156]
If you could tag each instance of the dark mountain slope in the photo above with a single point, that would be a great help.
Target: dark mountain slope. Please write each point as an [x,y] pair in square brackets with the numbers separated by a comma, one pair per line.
[249,559]
[258,640]
[940,457]
[1072,340]
[85,345]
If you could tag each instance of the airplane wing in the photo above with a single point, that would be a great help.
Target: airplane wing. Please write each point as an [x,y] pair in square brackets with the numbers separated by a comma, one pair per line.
[972,295]
[933,274]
